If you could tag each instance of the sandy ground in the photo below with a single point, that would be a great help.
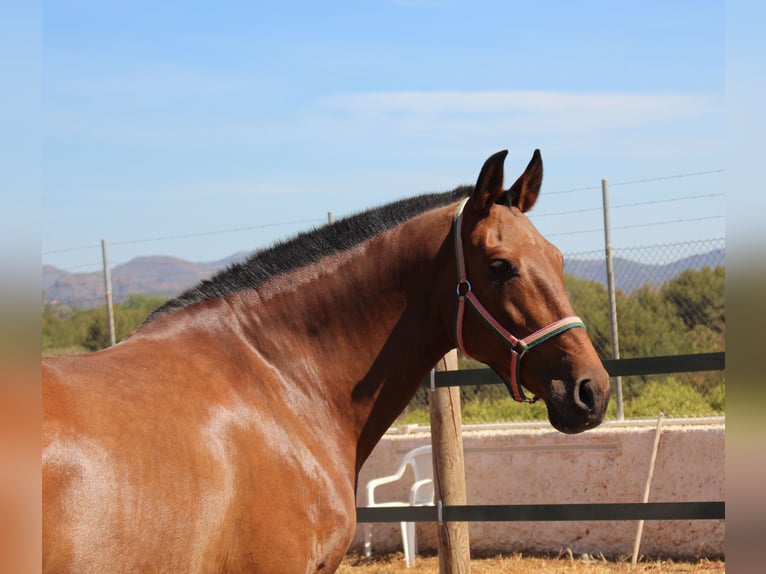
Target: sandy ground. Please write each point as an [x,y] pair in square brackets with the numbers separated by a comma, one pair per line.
[518,564]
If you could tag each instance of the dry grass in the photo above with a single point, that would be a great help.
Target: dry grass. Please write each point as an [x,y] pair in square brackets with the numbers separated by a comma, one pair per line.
[518,564]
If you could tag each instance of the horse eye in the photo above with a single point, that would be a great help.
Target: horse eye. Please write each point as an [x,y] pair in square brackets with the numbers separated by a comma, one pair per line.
[502,269]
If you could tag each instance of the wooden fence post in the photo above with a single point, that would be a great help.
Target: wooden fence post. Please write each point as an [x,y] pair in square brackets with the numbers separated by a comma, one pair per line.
[449,470]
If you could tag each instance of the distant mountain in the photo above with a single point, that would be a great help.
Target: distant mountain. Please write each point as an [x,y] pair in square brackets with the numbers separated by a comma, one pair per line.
[150,275]
[630,275]
[169,276]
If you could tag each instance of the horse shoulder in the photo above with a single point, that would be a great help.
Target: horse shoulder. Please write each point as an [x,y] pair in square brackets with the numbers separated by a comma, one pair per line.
[123,437]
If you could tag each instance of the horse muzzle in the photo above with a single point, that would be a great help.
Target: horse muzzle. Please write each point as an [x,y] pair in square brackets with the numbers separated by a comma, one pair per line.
[580,405]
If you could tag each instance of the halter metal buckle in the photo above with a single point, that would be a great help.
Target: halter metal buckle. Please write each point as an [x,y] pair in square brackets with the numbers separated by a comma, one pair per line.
[464,283]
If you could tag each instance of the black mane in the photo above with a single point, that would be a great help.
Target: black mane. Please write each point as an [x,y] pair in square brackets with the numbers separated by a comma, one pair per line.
[307,248]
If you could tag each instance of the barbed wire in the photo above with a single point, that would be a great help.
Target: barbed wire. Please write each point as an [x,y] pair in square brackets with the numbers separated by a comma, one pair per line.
[70,249]
[81,265]
[670,222]
[185,236]
[571,257]
[637,181]
[314,220]
[555,234]
[219,232]
[637,204]
[635,225]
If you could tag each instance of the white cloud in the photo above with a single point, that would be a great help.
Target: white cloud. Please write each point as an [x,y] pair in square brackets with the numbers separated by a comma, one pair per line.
[573,124]
[557,109]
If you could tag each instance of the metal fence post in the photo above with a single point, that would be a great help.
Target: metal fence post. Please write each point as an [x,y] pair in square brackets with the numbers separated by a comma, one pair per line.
[108,291]
[612,297]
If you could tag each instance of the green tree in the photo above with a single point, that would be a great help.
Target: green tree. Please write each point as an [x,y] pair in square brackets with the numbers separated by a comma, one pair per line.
[647,324]
[697,298]
[590,302]
[67,330]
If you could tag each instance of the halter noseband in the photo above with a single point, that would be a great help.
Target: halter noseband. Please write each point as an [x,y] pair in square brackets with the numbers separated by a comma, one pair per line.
[518,347]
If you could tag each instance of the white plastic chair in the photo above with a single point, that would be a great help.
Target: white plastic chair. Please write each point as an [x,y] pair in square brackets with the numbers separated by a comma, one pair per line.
[421,494]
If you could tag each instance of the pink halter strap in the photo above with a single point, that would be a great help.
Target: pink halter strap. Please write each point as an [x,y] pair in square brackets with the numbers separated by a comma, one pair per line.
[518,347]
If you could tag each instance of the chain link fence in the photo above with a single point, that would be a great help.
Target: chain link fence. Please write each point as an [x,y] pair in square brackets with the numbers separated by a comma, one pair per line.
[670,301]
[670,298]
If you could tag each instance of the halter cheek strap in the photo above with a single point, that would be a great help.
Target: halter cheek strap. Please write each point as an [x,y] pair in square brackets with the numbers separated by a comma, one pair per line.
[518,347]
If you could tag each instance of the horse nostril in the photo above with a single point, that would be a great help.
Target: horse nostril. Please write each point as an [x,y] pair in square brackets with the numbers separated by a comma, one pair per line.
[584,395]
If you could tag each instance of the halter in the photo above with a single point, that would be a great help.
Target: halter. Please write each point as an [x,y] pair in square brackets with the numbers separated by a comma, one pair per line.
[518,347]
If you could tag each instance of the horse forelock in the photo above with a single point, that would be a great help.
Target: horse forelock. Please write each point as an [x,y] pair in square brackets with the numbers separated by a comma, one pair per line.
[308,247]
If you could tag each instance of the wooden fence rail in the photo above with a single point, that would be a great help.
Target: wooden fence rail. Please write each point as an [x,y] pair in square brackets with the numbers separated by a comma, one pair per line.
[547,512]
[565,512]
[615,367]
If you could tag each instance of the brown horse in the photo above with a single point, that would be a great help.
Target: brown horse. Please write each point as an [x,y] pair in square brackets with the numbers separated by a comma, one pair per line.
[226,434]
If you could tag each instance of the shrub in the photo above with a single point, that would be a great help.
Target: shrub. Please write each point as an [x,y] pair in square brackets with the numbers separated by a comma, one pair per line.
[670,397]
[64,328]
[483,410]
[505,409]
[717,398]
[667,395]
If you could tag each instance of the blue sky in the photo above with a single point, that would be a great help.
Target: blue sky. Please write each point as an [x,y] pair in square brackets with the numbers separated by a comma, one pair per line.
[192,120]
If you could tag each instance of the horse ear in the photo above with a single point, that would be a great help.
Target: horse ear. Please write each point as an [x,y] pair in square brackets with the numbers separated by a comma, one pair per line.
[489,185]
[523,193]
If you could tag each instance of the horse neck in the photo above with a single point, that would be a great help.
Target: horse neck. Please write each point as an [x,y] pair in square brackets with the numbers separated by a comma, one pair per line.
[365,325]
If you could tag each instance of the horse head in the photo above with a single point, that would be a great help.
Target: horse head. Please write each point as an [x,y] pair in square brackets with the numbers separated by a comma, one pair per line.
[514,313]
